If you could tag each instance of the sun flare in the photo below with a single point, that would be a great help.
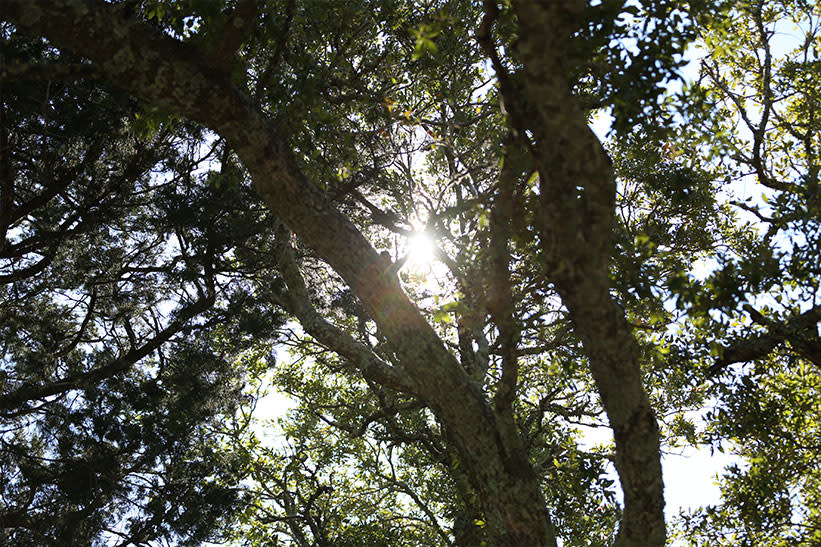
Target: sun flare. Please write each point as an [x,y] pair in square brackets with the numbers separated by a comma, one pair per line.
[421,251]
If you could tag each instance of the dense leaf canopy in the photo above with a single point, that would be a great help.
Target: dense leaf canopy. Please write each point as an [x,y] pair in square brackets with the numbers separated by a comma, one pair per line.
[202,201]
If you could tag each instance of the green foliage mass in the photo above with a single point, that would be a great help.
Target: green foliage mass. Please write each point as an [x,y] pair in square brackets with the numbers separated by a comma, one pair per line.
[148,298]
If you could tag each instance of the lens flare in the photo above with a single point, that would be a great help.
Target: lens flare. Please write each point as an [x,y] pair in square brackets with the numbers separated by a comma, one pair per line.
[421,251]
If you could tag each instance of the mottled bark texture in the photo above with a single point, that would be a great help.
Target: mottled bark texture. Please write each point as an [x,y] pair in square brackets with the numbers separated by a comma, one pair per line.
[577,192]
[179,79]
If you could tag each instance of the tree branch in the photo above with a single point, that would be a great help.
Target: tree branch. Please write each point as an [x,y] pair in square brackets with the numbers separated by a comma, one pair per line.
[45,71]
[297,302]
[234,32]
[576,217]
[30,392]
[758,346]
[359,430]
[500,296]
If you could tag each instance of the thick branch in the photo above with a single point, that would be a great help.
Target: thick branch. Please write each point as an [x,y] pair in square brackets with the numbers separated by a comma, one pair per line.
[296,301]
[577,201]
[801,331]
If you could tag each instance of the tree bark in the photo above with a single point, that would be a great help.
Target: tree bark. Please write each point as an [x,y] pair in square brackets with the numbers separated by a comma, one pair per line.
[577,199]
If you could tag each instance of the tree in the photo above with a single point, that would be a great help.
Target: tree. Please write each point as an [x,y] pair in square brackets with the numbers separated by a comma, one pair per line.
[180,179]
[760,306]
[116,366]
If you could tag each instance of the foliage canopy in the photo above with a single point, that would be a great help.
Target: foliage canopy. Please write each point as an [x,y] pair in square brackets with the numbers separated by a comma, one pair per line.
[203,200]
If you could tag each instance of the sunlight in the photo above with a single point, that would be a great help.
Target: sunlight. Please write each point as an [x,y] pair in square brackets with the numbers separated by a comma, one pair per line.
[421,251]
[423,272]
